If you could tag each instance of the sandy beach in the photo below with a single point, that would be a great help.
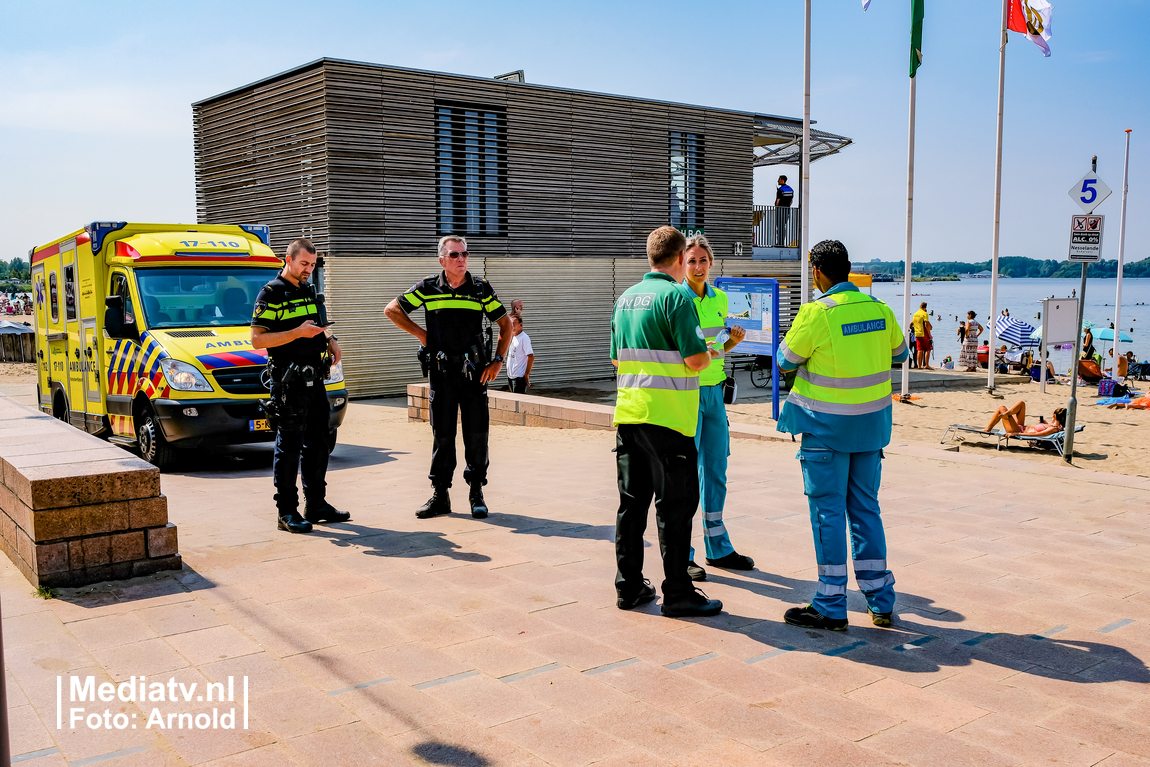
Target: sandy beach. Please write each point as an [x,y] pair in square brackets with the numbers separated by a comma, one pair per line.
[1117,441]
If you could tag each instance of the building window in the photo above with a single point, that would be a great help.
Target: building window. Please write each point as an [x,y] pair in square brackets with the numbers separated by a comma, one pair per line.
[687,181]
[471,170]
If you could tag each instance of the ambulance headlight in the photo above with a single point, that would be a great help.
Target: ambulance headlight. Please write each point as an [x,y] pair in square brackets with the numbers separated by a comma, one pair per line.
[336,374]
[182,376]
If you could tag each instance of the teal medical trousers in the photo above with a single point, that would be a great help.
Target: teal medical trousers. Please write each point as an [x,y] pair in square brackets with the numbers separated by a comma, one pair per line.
[842,490]
[713,441]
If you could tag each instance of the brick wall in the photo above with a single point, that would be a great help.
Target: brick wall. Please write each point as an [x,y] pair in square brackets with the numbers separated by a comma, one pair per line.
[74,509]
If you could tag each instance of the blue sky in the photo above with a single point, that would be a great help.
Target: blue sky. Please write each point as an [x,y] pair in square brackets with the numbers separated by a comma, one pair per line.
[95,122]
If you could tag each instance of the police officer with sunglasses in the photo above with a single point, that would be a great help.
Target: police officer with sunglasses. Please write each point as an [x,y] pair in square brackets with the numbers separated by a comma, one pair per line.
[456,359]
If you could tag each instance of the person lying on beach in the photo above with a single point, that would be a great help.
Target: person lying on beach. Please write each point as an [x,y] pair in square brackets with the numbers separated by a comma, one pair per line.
[1013,421]
[1142,403]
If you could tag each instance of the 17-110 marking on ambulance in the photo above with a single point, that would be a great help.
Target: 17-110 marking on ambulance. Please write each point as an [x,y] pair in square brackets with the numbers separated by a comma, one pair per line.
[1086,238]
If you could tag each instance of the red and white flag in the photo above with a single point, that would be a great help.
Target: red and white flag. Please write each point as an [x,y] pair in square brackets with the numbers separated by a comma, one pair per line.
[1031,18]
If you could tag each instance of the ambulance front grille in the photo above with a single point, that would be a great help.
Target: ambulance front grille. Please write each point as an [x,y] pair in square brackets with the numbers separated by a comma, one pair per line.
[241,380]
[191,333]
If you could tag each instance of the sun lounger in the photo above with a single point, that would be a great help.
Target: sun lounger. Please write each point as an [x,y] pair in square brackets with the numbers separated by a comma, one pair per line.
[1052,440]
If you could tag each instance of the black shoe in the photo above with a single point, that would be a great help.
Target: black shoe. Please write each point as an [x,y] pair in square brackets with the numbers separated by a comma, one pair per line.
[439,503]
[322,511]
[693,603]
[643,596]
[881,619]
[733,561]
[810,618]
[292,522]
[478,505]
[696,573]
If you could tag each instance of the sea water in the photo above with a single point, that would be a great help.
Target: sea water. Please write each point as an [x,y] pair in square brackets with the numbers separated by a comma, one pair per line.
[1021,296]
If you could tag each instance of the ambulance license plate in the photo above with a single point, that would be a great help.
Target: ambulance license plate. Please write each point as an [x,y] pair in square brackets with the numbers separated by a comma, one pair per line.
[260,424]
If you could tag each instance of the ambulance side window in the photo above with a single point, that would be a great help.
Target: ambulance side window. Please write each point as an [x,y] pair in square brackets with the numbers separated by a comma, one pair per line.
[70,290]
[120,288]
[53,296]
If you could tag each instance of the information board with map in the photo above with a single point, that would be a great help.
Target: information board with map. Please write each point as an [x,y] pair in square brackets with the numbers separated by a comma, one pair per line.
[753,304]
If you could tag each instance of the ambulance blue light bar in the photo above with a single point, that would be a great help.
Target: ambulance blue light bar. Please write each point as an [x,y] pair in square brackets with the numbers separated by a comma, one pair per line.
[98,230]
[263,231]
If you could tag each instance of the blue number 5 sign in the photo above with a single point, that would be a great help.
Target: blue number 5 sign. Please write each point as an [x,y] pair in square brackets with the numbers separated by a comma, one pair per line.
[1089,192]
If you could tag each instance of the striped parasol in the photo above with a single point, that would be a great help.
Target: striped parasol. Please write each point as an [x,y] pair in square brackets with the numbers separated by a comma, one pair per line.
[1015,332]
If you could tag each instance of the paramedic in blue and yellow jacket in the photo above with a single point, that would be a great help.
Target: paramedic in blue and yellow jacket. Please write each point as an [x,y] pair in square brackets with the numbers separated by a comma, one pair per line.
[842,347]
[712,435]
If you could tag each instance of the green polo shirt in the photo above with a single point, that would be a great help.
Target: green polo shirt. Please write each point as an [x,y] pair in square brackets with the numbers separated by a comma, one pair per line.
[653,329]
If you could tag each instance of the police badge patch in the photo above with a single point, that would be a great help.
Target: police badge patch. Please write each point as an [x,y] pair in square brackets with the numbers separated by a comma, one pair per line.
[261,307]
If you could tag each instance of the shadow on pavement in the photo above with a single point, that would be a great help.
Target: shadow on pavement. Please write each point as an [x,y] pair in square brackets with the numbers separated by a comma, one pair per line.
[551,528]
[914,647]
[442,753]
[246,461]
[379,542]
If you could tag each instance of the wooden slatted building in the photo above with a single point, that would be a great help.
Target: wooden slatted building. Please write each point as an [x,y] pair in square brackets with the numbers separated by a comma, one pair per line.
[555,190]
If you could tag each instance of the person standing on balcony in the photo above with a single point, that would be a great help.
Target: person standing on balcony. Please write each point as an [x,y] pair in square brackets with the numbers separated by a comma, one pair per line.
[783,199]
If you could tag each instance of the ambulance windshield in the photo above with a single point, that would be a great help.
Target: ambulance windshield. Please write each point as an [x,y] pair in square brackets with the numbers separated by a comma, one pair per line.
[183,298]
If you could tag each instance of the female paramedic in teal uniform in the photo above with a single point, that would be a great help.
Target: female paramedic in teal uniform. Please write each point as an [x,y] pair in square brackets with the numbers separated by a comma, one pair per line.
[712,437]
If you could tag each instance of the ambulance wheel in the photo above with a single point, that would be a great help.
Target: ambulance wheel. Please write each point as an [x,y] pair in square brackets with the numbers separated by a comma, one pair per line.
[153,447]
[331,438]
[60,407]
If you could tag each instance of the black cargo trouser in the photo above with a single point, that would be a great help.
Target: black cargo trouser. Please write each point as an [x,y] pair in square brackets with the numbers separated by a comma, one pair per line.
[301,439]
[453,394]
[660,463]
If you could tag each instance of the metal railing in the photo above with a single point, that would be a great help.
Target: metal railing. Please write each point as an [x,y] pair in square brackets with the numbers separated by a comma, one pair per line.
[777,227]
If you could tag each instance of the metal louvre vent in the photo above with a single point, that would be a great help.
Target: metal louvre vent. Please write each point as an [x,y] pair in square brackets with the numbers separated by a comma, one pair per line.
[241,380]
[191,333]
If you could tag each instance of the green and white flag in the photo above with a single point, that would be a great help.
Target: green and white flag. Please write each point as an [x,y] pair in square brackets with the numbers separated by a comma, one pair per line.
[916,13]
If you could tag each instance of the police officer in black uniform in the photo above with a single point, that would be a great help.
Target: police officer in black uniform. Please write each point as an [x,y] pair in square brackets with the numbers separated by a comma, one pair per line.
[455,356]
[287,321]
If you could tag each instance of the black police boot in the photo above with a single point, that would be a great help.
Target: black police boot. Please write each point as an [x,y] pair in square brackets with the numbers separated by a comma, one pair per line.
[439,503]
[695,572]
[629,600]
[322,511]
[478,505]
[292,522]
[693,603]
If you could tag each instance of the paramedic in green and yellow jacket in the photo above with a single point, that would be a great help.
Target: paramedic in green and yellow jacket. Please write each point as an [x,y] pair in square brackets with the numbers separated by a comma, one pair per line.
[712,434]
[842,347]
[658,346]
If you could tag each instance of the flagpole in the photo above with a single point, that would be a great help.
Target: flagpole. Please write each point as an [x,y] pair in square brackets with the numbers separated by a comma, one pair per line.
[997,206]
[909,219]
[1121,255]
[805,190]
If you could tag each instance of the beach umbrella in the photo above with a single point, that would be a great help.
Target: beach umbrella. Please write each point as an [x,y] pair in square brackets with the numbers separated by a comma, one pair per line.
[1106,334]
[1015,332]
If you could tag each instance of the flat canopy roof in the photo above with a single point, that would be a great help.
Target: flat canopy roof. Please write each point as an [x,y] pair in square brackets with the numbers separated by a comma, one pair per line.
[777,140]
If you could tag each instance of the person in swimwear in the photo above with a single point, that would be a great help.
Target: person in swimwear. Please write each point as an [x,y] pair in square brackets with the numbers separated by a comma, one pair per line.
[1013,420]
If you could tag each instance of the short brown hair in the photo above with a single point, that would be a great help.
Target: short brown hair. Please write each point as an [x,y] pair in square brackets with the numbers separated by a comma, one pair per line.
[664,245]
[298,244]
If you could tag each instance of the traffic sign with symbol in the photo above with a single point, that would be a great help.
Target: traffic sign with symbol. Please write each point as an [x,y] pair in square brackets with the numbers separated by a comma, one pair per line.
[1086,238]
[1089,192]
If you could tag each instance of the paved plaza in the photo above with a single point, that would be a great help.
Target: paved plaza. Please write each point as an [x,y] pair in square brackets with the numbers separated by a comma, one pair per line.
[1022,630]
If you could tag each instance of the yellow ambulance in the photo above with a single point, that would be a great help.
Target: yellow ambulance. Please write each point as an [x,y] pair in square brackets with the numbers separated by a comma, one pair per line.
[143,335]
